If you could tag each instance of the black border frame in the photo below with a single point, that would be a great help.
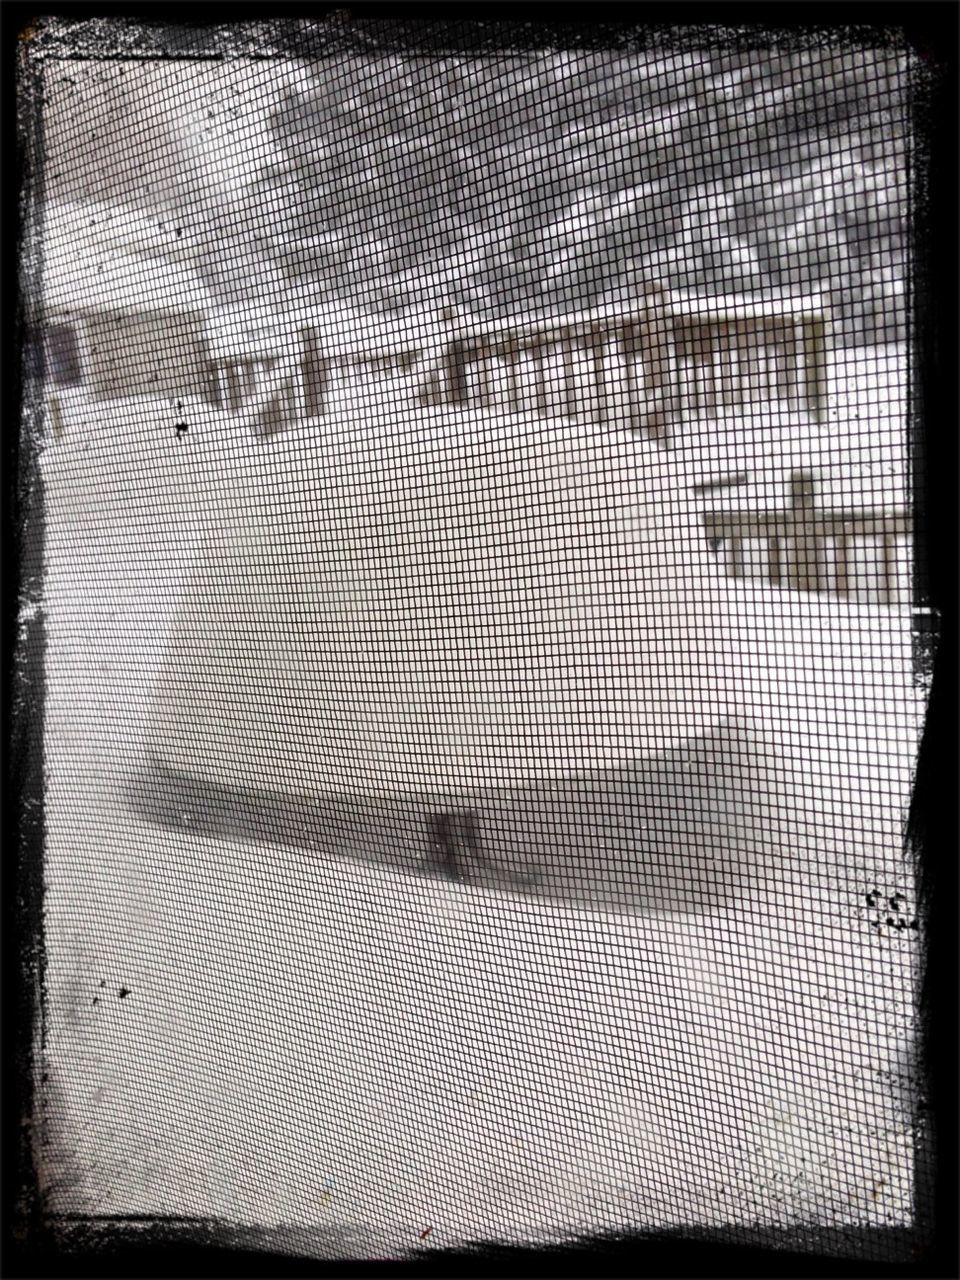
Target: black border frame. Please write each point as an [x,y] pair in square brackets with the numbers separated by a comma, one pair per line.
[115,1247]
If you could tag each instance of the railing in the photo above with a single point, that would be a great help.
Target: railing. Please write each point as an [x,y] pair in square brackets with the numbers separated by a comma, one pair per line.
[809,549]
[237,379]
[648,369]
[732,362]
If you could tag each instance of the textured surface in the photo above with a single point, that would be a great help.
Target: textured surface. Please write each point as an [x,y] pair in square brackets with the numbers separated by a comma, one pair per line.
[270,660]
[349,1041]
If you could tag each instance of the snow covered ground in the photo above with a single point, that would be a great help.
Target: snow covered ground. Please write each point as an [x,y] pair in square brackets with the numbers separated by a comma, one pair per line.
[256,1033]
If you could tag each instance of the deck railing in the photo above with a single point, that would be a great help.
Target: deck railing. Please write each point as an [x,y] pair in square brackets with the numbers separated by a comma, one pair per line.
[648,369]
[810,548]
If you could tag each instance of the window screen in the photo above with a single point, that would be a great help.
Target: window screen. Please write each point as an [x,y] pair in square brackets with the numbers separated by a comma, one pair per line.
[63,355]
[479,587]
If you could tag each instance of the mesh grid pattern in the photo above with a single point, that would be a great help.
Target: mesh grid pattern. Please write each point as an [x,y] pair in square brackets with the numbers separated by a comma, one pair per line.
[480,695]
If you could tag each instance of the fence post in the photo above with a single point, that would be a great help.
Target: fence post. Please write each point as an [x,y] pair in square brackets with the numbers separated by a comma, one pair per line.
[814,343]
[667,359]
[775,568]
[540,377]
[511,358]
[736,557]
[56,418]
[805,569]
[597,346]
[887,562]
[570,375]
[841,549]
[456,373]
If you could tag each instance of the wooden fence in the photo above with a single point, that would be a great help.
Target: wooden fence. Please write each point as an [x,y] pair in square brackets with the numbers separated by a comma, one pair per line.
[238,379]
[809,548]
[649,369]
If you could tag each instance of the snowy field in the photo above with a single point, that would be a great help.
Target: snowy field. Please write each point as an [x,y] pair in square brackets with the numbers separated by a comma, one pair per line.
[273,1038]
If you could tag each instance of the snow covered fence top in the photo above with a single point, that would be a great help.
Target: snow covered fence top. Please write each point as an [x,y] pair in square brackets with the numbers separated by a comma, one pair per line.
[671,306]
[340,332]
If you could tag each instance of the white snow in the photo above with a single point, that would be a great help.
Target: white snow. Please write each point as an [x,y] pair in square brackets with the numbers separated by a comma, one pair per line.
[97,258]
[315,1042]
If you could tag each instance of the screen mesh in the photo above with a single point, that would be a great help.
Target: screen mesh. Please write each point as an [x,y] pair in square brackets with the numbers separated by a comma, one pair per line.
[480,699]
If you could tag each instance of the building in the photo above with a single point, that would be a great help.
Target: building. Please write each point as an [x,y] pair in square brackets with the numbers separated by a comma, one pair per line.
[121,314]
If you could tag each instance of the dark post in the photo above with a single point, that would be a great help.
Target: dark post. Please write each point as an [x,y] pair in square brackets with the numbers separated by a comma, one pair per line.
[887,559]
[775,570]
[664,351]
[456,373]
[512,361]
[597,342]
[213,393]
[841,544]
[735,560]
[570,375]
[814,343]
[454,839]
[629,346]
[706,368]
[315,375]
[535,354]
[805,569]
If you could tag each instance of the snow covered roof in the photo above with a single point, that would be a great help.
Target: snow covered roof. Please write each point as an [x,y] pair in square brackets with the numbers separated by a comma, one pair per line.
[120,284]
[339,331]
[121,229]
[345,332]
[87,271]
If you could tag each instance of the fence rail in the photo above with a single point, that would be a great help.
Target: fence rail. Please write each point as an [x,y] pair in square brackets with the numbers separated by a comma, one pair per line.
[649,368]
[809,549]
